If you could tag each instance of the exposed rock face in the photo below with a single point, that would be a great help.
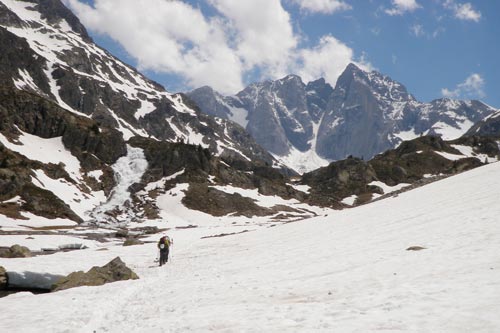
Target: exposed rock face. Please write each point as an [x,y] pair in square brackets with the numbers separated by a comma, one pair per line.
[3,278]
[31,281]
[413,159]
[15,251]
[489,127]
[84,79]
[369,113]
[329,185]
[409,163]
[218,203]
[195,166]
[115,270]
[132,241]
[73,90]
[278,114]
[366,114]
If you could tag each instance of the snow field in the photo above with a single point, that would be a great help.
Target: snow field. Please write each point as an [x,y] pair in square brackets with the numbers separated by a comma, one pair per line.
[346,272]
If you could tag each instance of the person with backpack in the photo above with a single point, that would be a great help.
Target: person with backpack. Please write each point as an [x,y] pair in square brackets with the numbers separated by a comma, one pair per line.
[164,246]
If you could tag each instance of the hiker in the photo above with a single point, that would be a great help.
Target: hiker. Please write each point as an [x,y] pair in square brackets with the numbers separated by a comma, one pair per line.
[164,245]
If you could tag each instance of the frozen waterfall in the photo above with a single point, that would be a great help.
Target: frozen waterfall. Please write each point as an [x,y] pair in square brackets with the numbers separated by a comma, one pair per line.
[128,170]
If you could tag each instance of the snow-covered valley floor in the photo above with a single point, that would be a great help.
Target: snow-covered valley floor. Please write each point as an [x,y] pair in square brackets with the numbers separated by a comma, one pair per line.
[345,272]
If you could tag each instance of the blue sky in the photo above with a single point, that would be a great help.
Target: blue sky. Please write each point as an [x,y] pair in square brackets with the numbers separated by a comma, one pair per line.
[435,48]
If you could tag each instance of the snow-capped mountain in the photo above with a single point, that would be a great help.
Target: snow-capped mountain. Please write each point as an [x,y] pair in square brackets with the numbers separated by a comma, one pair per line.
[283,116]
[367,113]
[86,137]
[48,52]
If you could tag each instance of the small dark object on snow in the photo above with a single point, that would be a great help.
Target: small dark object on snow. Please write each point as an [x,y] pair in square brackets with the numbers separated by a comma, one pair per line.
[415,248]
[122,233]
[132,241]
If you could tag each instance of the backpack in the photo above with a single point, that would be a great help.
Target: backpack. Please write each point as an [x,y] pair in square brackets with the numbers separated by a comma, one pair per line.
[164,241]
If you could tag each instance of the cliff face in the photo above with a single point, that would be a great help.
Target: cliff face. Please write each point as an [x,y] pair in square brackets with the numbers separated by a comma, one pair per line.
[365,114]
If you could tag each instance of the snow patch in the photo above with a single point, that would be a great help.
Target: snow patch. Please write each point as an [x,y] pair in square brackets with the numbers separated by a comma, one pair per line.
[349,200]
[46,151]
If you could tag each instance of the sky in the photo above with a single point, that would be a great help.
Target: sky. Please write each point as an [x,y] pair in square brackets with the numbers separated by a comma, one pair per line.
[436,48]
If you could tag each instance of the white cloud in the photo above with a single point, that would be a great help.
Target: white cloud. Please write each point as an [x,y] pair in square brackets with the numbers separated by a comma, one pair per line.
[463,11]
[167,36]
[400,7]
[417,30]
[328,59]
[322,6]
[471,88]
[264,32]
[241,39]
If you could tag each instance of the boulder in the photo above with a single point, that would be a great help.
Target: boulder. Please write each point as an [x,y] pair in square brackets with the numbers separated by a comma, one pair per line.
[115,270]
[31,281]
[3,278]
[132,241]
[16,251]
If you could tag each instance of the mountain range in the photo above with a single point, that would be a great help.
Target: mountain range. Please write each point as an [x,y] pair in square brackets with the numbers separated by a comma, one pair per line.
[289,206]
[86,137]
[309,125]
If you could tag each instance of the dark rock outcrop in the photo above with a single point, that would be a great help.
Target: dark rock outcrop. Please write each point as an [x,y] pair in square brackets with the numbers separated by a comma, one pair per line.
[489,127]
[329,185]
[15,251]
[3,278]
[115,270]
[132,241]
[410,163]
[31,281]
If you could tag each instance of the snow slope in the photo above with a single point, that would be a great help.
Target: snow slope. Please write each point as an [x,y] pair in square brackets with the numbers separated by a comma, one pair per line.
[348,271]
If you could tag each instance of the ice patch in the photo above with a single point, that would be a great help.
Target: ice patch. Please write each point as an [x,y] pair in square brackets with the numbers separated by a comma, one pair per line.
[128,170]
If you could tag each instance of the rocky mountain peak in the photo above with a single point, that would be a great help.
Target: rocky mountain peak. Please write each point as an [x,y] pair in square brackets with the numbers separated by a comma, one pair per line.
[383,87]
[319,86]
[54,12]
[292,79]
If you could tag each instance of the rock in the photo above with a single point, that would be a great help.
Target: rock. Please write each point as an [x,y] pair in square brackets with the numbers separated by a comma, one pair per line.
[115,270]
[31,281]
[132,241]
[415,248]
[122,233]
[16,251]
[3,278]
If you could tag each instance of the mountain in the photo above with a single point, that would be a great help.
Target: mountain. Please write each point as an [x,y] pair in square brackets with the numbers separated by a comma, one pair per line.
[308,125]
[85,137]
[489,126]
[283,116]
[48,52]
[412,164]
[369,113]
